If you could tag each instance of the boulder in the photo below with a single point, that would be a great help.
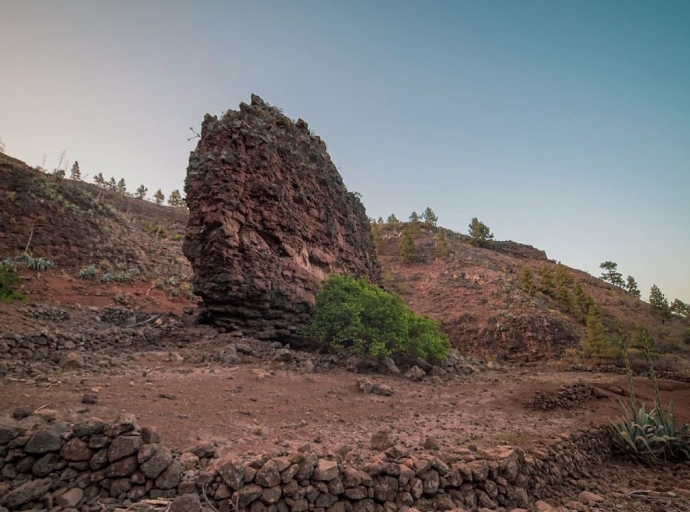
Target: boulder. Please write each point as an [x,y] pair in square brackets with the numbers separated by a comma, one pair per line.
[269,218]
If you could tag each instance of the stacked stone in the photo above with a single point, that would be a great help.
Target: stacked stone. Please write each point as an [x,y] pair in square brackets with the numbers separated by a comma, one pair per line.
[569,459]
[393,480]
[92,465]
[66,466]
[566,397]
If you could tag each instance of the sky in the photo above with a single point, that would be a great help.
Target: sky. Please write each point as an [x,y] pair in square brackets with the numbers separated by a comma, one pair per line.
[563,125]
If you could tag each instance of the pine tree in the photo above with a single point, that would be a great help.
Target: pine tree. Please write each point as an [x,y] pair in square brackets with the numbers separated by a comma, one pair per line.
[141,192]
[582,302]
[442,243]
[659,304]
[175,198]
[546,280]
[112,184]
[429,217]
[59,173]
[597,343]
[392,219]
[680,308]
[159,197]
[121,186]
[407,248]
[527,279]
[632,288]
[479,231]
[563,280]
[75,173]
[99,180]
[611,274]
[414,225]
[377,235]
[379,220]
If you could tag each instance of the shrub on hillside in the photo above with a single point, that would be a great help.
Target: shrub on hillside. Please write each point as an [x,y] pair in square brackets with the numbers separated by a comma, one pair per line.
[364,319]
[9,282]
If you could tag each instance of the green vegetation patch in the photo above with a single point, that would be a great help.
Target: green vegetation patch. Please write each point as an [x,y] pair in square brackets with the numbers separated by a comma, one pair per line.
[9,283]
[364,319]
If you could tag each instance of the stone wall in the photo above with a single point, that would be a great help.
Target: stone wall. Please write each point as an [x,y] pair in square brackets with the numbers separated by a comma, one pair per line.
[93,464]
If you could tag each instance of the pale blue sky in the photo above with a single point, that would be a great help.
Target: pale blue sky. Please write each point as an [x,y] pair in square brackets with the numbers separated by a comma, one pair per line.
[565,125]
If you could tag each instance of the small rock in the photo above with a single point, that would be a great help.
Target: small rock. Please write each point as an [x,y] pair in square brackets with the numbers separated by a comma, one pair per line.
[381,441]
[70,499]
[89,399]
[431,443]
[186,503]
[415,373]
[72,361]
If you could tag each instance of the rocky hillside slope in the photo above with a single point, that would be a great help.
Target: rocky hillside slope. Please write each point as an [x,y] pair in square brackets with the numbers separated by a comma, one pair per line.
[475,293]
[128,243]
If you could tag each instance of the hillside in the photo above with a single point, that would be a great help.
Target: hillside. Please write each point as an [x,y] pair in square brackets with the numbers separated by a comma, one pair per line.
[475,293]
[134,245]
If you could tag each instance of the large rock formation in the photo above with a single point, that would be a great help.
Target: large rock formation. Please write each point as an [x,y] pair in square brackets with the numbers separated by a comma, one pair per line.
[269,218]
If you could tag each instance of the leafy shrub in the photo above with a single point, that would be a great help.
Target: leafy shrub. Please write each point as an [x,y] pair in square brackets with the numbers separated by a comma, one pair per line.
[177,237]
[88,272]
[120,274]
[352,314]
[686,335]
[9,282]
[156,230]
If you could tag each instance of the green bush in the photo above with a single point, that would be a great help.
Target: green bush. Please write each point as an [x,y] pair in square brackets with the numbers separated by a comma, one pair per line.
[355,315]
[9,282]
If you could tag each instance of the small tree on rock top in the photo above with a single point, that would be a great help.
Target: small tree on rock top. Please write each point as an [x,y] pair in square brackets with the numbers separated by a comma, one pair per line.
[121,187]
[479,231]
[141,192]
[392,219]
[99,180]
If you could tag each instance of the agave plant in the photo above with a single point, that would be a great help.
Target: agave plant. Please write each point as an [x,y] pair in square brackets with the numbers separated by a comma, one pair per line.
[648,437]
[41,264]
[88,272]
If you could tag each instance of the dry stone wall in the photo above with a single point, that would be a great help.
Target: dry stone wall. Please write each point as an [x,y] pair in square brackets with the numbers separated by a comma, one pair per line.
[92,466]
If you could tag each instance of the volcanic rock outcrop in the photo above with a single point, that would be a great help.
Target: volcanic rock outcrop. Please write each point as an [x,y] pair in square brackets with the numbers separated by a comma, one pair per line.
[269,218]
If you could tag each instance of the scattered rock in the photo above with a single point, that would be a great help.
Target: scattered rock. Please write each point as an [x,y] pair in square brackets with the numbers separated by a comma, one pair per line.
[381,441]
[415,373]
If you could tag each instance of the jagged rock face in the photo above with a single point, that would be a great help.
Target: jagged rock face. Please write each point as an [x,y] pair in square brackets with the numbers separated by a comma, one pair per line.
[269,218]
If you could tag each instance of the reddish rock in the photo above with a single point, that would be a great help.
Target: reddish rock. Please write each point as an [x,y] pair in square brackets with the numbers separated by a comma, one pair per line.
[269,218]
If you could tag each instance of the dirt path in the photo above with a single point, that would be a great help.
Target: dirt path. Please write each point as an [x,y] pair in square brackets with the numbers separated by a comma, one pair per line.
[255,408]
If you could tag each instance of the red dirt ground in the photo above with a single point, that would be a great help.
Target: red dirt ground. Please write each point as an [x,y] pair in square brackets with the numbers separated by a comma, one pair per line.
[253,408]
